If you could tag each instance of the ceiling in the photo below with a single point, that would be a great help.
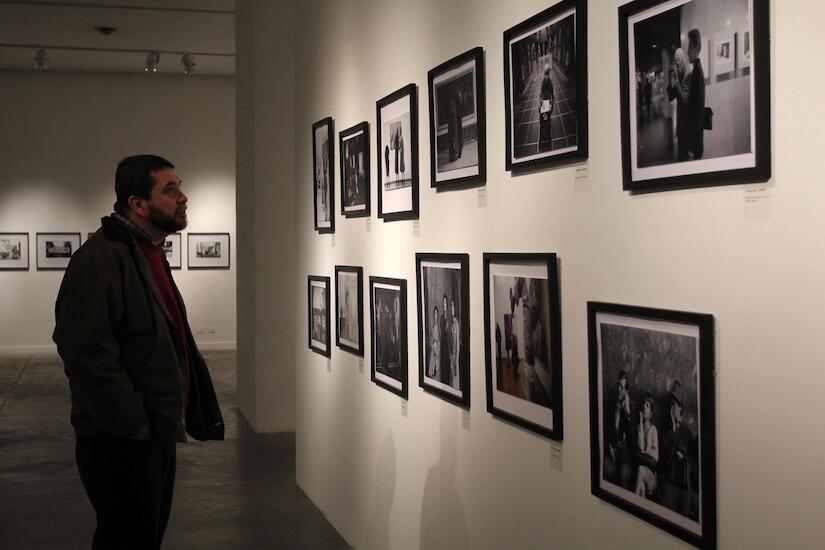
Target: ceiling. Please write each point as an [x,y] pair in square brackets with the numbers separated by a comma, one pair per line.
[65,29]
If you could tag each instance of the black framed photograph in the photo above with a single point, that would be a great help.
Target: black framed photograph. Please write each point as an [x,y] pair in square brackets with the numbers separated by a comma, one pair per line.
[171,249]
[14,251]
[318,314]
[522,337]
[443,289]
[323,167]
[208,250]
[397,116]
[652,415]
[458,135]
[54,250]
[545,87]
[695,92]
[388,324]
[349,307]
[354,147]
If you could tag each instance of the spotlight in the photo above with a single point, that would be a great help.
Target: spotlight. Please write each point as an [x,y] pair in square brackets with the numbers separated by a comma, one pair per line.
[152,60]
[41,59]
[188,62]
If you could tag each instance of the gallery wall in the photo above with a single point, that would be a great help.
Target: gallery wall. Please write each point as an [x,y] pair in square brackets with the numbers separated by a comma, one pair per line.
[61,138]
[423,473]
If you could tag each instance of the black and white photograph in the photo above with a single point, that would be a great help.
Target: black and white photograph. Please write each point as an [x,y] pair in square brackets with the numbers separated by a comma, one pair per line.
[349,307]
[458,135]
[208,250]
[318,314]
[14,251]
[388,323]
[354,146]
[652,416]
[323,166]
[397,116]
[545,87]
[443,282]
[55,249]
[523,341]
[743,49]
[690,116]
[171,249]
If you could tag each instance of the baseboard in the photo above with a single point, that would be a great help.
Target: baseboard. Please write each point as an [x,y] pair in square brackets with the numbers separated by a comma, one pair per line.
[29,350]
[217,346]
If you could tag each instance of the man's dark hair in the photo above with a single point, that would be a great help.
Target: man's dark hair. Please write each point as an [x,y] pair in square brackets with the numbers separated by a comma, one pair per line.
[134,177]
[695,38]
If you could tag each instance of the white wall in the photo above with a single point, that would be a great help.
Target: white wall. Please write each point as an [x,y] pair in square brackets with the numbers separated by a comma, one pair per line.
[420,474]
[61,137]
[266,218]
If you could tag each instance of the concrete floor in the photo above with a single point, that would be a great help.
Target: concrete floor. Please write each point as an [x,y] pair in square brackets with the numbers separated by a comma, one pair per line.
[238,493]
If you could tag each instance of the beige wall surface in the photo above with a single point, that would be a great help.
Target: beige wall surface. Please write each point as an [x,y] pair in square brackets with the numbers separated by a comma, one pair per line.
[61,137]
[423,474]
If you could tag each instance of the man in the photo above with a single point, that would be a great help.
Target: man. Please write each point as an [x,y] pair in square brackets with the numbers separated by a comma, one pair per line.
[132,364]
[617,460]
[548,101]
[690,104]
[676,459]
[445,337]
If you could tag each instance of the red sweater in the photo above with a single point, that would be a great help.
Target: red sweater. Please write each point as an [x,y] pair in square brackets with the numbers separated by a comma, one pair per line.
[164,282]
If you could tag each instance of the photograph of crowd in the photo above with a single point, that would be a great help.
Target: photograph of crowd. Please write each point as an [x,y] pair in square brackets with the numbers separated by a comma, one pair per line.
[443,325]
[524,340]
[349,308]
[544,113]
[58,249]
[650,447]
[691,106]
[14,251]
[388,313]
[323,169]
[207,250]
[398,155]
[457,121]
[355,171]
[318,288]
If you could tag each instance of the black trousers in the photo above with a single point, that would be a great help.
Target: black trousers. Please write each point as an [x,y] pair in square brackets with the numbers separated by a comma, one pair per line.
[129,484]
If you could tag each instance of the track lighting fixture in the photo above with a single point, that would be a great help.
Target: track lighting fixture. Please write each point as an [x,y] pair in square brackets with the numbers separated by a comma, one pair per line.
[188,62]
[152,60]
[41,59]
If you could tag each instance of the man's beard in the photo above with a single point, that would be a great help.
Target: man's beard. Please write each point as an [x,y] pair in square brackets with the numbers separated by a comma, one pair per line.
[169,224]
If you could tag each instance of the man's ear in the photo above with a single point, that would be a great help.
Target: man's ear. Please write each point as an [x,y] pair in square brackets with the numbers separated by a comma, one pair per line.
[137,204]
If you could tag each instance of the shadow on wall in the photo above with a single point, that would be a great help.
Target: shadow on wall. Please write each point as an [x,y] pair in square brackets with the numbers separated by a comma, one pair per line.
[443,521]
[378,528]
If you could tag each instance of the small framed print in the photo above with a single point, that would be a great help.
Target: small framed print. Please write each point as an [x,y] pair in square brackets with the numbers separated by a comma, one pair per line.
[55,249]
[522,336]
[14,251]
[323,167]
[545,87]
[318,304]
[354,146]
[443,283]
[388,324]
[208,250]
[349,308]
[397,116]
[458,135]
[171,249]
[652,442]
[690,117]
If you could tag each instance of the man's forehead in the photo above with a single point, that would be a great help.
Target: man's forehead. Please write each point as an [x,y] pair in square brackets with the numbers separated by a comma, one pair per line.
[165,176]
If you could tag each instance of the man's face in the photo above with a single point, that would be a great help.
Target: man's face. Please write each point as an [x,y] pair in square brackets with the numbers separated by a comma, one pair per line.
[167,203]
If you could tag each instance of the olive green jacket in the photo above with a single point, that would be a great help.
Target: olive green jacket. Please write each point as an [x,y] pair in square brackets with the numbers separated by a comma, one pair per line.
[121,352]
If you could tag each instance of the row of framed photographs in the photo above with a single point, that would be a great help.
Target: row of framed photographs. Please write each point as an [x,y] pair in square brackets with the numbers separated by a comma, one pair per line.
[652,403]
[695,96]
[54,250]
